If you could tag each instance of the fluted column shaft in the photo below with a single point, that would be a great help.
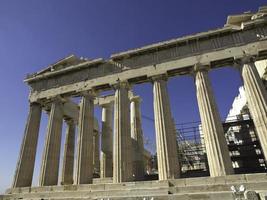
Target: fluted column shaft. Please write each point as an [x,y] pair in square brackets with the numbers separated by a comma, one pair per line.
[168,166]
[137,138]
[257,102]
[96,148]
[68,159]
[106,141]
[122,166]
[85,141]
[217,151]
[51,155]
[25,165]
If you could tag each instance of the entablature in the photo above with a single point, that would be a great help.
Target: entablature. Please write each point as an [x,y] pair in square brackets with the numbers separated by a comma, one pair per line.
[217,48]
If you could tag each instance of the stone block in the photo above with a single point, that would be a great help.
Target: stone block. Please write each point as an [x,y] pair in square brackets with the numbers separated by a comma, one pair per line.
[201,188]
[211,196]
[256,186]
[20,190]
[220,180]
[199,181]
[41,189]
[102,180]
[257,177]
[178,182]
[97,187]
[70,187]
[235,179]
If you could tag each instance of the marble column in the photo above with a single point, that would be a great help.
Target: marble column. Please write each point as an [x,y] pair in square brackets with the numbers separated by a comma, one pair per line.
[168,165]
[51,154]
[137,138]
[96,159]
[122,161]
[68,159]
[106,141]
[85,140]
[25,165]
[257,101]
[218,156]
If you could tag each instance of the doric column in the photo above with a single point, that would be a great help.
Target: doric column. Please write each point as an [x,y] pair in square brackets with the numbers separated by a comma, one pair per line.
[217,151]
[257,101]
[85,140]
[25,165]
[122,166]
[96,159]
[106,141]
[137,138]
[68,159]
[168,166]
[51,154]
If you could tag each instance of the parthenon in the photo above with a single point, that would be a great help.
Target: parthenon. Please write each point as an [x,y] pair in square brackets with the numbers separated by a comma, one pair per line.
[119,159]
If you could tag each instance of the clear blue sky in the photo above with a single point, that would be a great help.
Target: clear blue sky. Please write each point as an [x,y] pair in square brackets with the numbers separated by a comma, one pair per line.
[35,33]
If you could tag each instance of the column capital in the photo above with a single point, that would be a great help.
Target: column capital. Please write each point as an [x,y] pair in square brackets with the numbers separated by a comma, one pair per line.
[89,93]
[107,104]
[69,121]
[35,103]
[163,77]
[56,99]
[246,59]
[47,106]
[137,99]
[121,84]
[198,67]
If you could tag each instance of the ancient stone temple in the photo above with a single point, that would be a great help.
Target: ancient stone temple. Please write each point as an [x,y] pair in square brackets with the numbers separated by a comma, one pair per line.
[119,159]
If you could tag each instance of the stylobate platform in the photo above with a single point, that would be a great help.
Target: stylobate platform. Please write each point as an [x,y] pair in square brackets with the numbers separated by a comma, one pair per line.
[219,188]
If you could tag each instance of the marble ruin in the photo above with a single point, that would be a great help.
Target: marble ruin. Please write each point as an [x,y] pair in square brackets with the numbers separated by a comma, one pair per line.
[119,159]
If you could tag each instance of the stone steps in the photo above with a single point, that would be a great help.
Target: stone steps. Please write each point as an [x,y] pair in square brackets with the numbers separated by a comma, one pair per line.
[205,188]
[255,182]
[195,196]
[95,194]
